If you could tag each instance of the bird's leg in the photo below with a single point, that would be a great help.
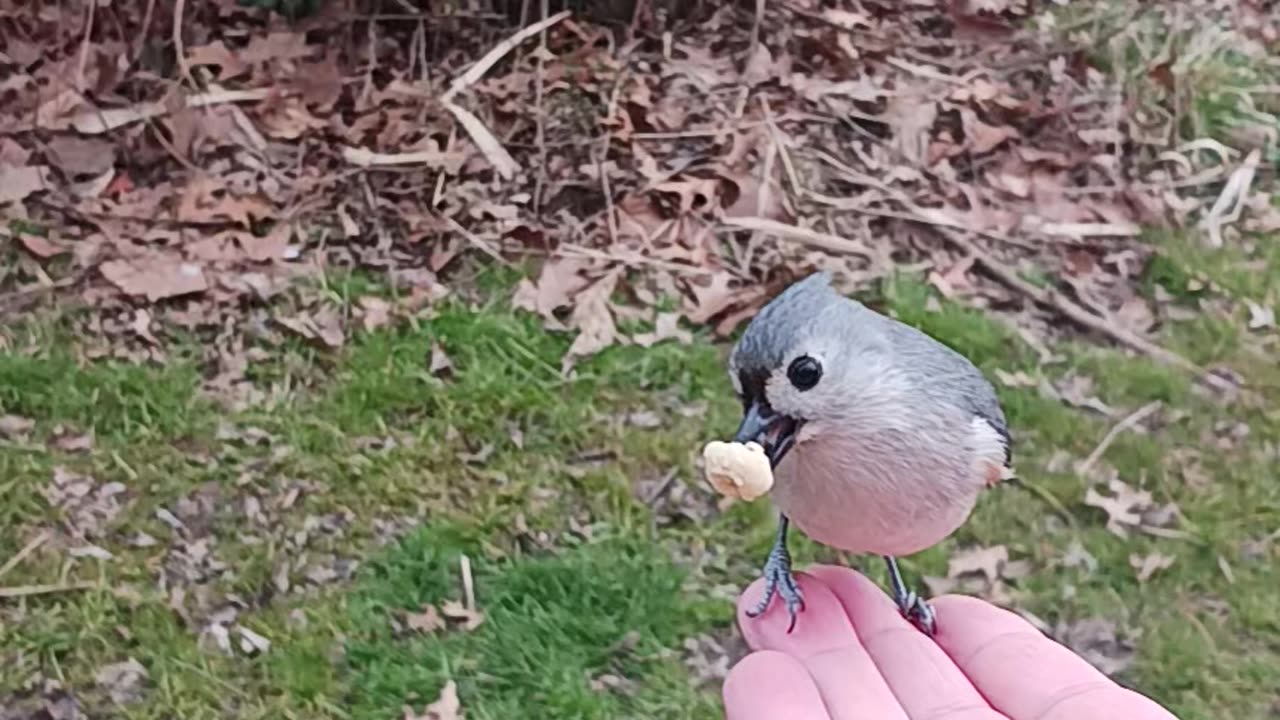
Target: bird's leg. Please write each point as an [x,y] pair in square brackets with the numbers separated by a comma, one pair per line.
[778,579]
[912,606]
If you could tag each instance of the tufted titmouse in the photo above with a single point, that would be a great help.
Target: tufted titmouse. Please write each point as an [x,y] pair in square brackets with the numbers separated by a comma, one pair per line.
[880,436]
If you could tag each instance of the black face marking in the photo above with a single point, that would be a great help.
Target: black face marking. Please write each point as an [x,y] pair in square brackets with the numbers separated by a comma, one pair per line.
[753,382]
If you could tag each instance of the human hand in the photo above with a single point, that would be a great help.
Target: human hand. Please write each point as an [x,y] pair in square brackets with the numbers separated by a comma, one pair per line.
[852,655]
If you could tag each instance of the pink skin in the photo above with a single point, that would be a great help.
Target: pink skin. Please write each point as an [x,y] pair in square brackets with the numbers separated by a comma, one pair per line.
[854,656]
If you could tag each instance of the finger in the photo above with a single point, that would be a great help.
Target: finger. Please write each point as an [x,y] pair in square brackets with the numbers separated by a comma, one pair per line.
[923,678]
[1026,675]
[769,685]
[824,641]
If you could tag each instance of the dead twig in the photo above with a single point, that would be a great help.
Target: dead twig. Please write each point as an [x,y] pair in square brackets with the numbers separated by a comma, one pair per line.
[1054,299]
[476,71]
[812,238]
[41,538]
[29,590]
[1130,421]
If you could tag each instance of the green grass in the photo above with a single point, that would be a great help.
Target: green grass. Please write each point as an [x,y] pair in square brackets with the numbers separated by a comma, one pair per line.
[558,596]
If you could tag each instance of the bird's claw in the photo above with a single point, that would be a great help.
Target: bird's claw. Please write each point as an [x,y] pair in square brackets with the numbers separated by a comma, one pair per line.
[918,612]
[778,580]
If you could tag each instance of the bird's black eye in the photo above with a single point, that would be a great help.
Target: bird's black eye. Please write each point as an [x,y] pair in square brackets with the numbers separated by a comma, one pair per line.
[805,372]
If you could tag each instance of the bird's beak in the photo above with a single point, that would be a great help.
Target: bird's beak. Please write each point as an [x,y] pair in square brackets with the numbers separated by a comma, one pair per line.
[775,432]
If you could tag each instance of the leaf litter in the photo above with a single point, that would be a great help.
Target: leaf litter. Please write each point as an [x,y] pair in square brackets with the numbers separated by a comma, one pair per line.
[291,147]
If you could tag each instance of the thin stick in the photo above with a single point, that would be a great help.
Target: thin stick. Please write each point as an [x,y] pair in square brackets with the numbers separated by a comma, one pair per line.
[475,72]
[813,238]
[476,241]
[179,48]
[468,584]
[29,590]
[540,116]
[1052,298]
[1131,421]
[84,47]
[41,538]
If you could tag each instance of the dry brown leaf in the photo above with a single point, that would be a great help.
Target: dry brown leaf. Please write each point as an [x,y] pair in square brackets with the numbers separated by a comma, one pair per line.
[123,681]
[440,363]
[986,560]
[984,138]
[427,620]
[206,199]
[324,325]
[1146,566]
[593,319]
[12,426]
[40,247]
[374,312]
[1124,507]
[558,282]
[16,183]
[469,618]
[447,707]
[155,277]
[81,156]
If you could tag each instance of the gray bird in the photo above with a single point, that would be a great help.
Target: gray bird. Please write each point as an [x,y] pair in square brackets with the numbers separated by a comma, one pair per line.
[881,438]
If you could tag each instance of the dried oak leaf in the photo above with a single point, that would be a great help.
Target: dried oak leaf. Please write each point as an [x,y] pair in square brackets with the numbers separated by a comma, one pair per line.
[428,620]
[987,560]
[447,707]
[123,681]
[155,277]
[1124,507]
[1146,566]
[468,618]
[16,183]
[593,319]
[81,156]
[15,425]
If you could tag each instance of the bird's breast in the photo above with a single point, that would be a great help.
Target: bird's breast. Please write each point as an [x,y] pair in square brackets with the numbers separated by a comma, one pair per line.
[888,492]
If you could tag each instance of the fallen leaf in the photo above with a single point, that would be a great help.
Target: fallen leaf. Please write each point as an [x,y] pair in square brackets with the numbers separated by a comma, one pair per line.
[1096,640]
[427,620]
[985,560]
[123,681]
[374,312]
[252,643]
[75,155]
[16,183]
[440,363]
[1146,566]
[447,707]
[558,282]
[14,425]
[469,618]
[593,319]
[72,442]
[1260,316]
[155,277]
[1124,507]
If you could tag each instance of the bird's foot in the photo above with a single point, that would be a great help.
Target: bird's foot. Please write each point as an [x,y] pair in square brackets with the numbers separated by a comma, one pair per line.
[918,612]
[778,580]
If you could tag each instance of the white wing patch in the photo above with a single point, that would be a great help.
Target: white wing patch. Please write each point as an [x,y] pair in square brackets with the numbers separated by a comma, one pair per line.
[991,451]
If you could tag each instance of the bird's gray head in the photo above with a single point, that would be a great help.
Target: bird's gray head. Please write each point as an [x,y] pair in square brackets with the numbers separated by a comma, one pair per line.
[804,362]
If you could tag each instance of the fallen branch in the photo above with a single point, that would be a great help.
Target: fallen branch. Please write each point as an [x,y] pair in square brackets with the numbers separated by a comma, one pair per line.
[1052,298]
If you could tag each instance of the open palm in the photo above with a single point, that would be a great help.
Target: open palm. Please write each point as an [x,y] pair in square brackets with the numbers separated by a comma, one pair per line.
[852,655]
